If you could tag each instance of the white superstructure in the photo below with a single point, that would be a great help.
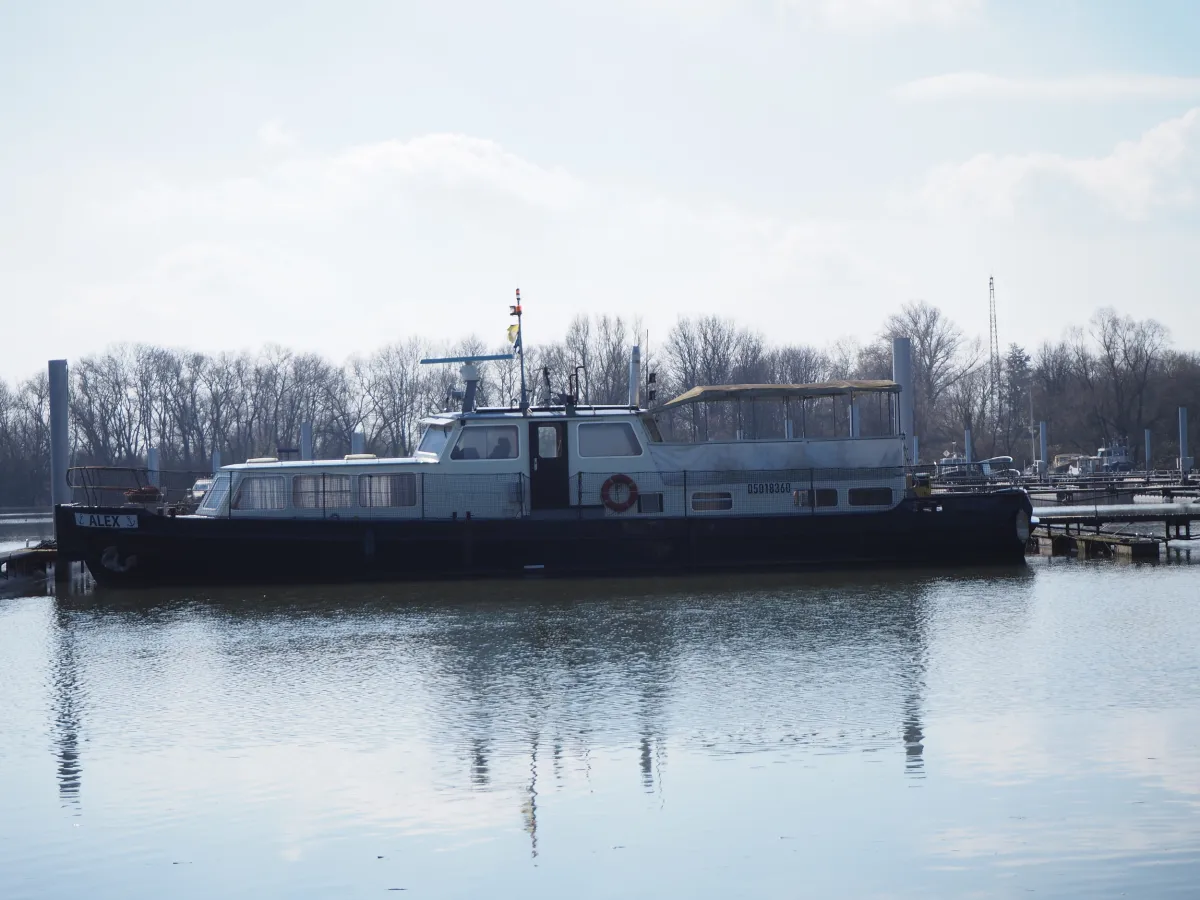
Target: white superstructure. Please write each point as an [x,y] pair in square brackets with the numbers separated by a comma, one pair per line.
[716,451]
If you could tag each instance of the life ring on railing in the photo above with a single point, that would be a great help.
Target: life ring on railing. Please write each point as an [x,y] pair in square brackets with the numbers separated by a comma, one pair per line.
[623,481]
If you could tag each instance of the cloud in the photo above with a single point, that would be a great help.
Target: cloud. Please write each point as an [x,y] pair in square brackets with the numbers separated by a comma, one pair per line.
[274,138]
[428,235]
[1158,171]
[1091,88]
[842,15]
[872,14]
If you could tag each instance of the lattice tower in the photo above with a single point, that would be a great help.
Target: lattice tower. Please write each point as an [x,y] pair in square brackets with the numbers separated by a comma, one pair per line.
[995,345]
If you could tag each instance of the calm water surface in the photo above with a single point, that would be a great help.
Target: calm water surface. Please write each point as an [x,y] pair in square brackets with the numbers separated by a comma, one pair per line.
[971,734]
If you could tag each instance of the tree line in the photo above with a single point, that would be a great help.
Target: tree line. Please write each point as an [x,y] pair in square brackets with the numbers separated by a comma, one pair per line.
[1097,385]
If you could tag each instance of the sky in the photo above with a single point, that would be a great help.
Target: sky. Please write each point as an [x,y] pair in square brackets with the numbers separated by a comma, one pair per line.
[335,177]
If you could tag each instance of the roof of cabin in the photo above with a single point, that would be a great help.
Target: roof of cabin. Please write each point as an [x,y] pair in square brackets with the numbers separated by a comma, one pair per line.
[781,391]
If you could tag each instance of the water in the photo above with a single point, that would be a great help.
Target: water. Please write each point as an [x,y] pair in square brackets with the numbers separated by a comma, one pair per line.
[971,734]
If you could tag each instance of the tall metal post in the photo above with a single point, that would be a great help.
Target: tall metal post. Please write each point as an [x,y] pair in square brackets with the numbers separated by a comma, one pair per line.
[968,445]
[1042,448]
[855,418]
[902,375]
[152,470]
[60,491]
[1185,461]
[306,441]
[635,377]
[1147,463]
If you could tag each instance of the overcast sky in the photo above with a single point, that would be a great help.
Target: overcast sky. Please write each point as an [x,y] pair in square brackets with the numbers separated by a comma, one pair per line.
[334,176]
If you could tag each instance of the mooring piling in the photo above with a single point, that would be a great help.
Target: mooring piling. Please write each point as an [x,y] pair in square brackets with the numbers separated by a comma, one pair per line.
[1185,461]
[902,375]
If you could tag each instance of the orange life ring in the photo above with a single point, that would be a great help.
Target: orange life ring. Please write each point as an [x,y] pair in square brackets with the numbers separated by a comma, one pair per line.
[619,505]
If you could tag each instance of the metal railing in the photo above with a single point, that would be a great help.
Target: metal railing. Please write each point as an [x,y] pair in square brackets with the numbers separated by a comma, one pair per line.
[431,495]
[133,486]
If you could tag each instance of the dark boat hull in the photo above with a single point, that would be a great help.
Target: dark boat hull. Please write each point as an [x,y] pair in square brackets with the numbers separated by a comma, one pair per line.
[951,529]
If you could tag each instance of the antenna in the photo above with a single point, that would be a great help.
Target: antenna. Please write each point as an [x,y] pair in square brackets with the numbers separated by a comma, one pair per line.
[995,346]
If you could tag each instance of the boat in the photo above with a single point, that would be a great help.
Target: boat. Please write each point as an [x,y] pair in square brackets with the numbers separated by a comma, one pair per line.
[1114,459]
[720,477]
[958,469]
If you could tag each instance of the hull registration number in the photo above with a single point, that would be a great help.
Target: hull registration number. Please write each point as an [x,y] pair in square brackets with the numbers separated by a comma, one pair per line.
[105,520]
[770,487]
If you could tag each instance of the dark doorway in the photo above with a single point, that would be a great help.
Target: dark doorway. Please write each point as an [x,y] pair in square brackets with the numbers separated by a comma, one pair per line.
[549,478]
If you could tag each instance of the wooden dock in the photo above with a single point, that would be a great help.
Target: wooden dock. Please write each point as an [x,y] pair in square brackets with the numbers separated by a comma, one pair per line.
[1176,518]
[21,566]
[1095,545]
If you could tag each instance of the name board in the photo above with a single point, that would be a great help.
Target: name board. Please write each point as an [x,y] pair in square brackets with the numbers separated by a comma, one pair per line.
[106,520]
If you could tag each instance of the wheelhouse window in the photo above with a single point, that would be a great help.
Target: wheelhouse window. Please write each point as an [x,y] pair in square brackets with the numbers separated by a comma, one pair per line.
[433,441]
[215,495]
[486,442]
[261,492]
[391,490]
[608,439]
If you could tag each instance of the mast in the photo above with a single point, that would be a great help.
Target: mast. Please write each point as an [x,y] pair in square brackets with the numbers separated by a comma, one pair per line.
[519,346]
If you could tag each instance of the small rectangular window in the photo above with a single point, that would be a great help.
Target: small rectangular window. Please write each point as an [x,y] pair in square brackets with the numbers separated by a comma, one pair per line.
[548,443]
[486,442]
[387,490]
[871,496]
[261,492]
[707,501]
[608,439]
[650,503]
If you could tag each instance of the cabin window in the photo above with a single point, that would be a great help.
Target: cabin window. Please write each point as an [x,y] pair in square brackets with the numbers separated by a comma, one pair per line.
[387,490]
[650,503]
[433,441]
[261,492]
[215,495]
[337,491]
[486,442]
[321,491]
[871,496]
[822,496]
[608,439]
[306,491]
[708,501]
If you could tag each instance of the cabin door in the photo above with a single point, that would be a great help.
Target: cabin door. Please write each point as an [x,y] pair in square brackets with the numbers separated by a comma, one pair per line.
[549,478]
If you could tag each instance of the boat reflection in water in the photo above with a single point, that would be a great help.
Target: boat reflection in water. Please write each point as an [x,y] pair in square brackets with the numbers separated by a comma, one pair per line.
[542,670]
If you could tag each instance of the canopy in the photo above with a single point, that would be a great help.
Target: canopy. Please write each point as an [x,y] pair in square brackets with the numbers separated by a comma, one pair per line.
[781,391]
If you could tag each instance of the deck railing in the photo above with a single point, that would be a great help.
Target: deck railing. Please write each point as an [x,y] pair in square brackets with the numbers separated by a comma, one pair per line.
[432,495]
[132,486]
